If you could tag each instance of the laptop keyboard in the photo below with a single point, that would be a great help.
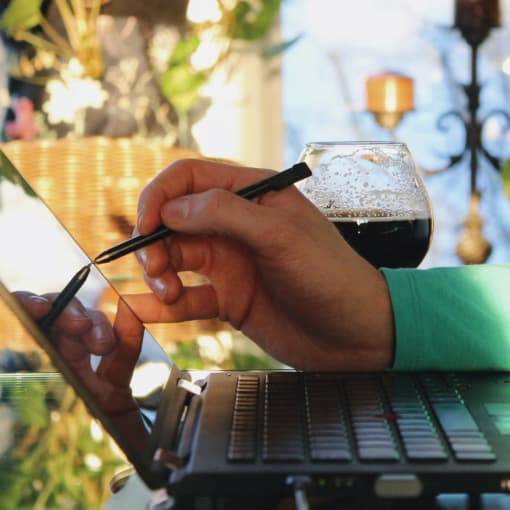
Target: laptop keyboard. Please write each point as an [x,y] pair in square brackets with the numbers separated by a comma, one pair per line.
[289,417]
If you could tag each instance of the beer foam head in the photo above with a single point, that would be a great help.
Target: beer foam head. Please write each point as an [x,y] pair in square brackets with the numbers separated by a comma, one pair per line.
[364,179]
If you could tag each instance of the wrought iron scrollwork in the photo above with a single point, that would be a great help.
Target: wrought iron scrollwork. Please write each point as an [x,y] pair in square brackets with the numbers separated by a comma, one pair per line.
[472,247]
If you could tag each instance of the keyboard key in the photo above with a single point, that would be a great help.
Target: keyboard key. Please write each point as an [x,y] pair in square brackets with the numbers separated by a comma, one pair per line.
[471,448]
[454,417]
[381,453]
[503,427]
[282,456]
[428,454]
[475,456]
[418,434]
[330,454]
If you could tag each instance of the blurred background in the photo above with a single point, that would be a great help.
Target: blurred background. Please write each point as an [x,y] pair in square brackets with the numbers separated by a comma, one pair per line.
[97,96]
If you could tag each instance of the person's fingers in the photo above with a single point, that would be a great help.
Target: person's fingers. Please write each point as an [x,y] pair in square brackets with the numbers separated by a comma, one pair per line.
[190,176]
[117,367]
[159,257]
[71,347]
[153,257]
[100,338]
[220,212]
[194,303]
[37,306]
[77,338]
[182,253]
[74,319]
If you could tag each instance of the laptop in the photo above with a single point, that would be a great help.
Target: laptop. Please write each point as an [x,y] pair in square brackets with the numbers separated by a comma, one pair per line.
[253,434]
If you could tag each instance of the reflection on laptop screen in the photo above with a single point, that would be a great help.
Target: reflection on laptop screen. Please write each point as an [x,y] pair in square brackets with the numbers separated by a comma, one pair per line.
[39,256]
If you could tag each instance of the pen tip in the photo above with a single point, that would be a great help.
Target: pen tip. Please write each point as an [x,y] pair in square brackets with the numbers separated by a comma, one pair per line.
[85,270]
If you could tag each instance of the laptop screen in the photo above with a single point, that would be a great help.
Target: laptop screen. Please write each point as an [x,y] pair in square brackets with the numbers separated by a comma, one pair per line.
[98,344]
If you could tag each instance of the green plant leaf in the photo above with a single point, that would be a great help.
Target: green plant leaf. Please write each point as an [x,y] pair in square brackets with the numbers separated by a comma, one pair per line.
[181,86]
[187,355]
[31,411]
[50,471]
[246,361]
[7,171]
[180,83]
[505,175]
[252,23]
[274,51]
[21,14]
[183,50]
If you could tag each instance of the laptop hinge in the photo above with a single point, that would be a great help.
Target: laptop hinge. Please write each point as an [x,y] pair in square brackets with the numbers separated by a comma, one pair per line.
[168,459]
[174,459]
[189,386]
[166,426]
[179,393]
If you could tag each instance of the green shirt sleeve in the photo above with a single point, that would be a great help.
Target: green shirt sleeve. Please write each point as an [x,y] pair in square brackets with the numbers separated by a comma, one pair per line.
[451,318]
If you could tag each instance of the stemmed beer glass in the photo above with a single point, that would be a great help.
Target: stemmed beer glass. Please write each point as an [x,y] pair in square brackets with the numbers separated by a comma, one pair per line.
[375,197]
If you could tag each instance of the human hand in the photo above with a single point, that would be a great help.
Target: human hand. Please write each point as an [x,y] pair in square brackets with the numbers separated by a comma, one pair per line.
[79,332]
[276,269]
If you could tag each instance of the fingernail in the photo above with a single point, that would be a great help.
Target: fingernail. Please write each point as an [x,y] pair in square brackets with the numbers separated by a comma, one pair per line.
[160,288]
[99,335]
[139,221]
[140,212]
[142,256]
[176,209]
[38,299]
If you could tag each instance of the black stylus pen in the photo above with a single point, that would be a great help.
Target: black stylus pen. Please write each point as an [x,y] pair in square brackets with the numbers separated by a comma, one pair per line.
[275,182]
[63,299]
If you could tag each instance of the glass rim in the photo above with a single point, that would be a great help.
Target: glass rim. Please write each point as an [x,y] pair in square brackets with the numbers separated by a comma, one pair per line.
[348,143]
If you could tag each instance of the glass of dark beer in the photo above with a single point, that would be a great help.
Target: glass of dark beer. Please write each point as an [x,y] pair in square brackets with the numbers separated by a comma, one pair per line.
[375,197]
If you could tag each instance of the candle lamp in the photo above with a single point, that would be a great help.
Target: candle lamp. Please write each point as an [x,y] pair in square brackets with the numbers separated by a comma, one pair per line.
[476,18]
[389,96]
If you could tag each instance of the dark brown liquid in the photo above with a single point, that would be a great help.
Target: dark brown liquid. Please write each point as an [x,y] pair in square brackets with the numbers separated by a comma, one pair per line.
[388,243]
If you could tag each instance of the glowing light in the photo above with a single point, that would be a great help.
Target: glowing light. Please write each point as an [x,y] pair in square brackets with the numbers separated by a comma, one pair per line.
[202,11]
[148,378]
[210,348]
[55,416]
[205,57]
[505,66]
[71,93]
[93,462]
[5,98]
[389,92]
[224,111]
[208,52]
[96,432]
[492,128]
[226,339]
[75,67]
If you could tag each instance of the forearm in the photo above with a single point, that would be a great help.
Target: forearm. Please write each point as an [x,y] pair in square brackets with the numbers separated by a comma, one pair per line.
[451,318]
